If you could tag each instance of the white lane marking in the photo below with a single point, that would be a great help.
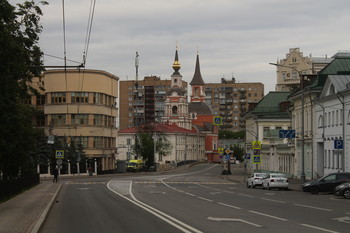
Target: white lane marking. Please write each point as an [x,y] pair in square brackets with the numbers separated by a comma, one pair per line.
[229,192]
[244,195]
[313,207]
[232,220]
[205,199]
[319,228]
[266,199]
[231,206]
[190,194]
[165,217]
[345,219]
[267,215]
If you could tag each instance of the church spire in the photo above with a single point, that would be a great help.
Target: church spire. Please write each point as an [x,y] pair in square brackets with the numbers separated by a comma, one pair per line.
[176,64]
[197,77]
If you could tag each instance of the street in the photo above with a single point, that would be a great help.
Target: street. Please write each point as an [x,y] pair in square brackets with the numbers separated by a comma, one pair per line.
[192,200]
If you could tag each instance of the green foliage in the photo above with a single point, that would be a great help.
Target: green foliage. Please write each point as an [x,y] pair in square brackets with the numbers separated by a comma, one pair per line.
[20,60]
[238,152]
[144,144]
[144,148]
[227,134]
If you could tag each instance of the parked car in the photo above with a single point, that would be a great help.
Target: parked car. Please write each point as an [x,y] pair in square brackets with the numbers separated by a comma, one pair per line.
[326,183]
[255,180]
[275,180]
[343,190]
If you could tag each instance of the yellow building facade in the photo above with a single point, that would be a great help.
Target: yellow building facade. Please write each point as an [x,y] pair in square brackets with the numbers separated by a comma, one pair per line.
[81,108]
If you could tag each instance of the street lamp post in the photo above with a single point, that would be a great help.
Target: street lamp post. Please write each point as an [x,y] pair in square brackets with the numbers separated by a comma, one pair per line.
[302,175]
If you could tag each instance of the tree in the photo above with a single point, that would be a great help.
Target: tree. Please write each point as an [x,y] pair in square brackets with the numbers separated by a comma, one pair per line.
[144,143]
[227,134]
[238,152]
[20,60]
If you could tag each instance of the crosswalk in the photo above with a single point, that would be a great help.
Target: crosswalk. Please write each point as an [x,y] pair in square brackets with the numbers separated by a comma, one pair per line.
[85,183]
[182,182]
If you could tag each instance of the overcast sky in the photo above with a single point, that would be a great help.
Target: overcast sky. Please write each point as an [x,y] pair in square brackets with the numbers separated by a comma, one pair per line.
[233,37]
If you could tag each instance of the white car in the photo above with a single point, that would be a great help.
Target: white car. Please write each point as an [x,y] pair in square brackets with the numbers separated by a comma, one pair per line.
[255,180]
[275,180]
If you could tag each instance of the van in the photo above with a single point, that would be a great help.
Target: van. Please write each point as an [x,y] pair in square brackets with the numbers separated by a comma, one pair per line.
[135,165]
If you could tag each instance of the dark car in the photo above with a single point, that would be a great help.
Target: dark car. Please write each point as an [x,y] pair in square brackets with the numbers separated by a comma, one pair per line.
[326,183]
[343,190]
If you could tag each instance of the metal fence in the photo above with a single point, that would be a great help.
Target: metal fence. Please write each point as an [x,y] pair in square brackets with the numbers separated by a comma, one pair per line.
[9,188]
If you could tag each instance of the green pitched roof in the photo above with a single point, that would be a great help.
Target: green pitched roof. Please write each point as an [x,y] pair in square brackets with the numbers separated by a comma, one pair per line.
[339,65]
[271,102]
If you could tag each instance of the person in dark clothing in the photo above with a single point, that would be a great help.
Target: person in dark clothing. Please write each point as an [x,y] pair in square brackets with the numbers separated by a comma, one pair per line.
[55,175]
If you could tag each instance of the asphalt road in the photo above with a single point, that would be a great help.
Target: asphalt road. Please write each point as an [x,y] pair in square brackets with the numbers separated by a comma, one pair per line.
[194,200]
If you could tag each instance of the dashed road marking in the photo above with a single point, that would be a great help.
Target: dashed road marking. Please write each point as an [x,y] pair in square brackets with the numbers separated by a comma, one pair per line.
[231,206]
[319,228]
[267,199]
[267,215]
[313,207]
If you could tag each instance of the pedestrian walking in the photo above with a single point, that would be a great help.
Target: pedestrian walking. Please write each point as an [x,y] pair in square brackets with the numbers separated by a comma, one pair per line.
[55,175]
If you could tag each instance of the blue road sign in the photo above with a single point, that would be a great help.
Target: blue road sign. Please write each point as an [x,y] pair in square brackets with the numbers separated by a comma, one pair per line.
[217,120]
[256,159]
[338,144]
[286,133]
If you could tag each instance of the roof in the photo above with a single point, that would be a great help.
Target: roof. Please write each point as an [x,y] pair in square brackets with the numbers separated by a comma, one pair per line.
[197,77]
[271,102]
[340,82]
[340,65]
[201,108]
[158,127]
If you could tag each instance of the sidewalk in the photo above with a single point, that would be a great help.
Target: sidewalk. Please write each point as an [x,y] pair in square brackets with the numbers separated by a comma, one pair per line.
[238,174]
[27,211]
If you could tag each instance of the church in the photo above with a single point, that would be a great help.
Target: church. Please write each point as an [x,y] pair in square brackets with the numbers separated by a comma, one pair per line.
[188,126]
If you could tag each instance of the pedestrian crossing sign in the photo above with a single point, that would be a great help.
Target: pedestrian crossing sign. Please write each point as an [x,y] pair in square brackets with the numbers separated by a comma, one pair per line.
[59,154]
[256,159]
[256,145]
[217,120]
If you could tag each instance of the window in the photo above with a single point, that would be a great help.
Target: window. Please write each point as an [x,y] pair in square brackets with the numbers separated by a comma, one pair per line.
[58,120]
[79,97]
[98,98]
[98,142]
[40,99]
[294,75]
[80,141]
[174,110]
[98,120]
[331,90]
[330,178]
[320,121]
[80,119]
[58,97]
[283,75]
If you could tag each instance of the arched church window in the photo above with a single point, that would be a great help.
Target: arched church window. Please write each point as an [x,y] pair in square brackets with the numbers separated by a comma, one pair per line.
[331,90]
[174,109]
[320,122]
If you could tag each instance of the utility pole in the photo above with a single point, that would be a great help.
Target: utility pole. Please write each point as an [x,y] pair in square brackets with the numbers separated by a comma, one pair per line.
[302,175]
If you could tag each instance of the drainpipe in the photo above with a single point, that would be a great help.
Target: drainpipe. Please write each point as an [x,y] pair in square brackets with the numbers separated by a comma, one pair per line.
[312,139]
[323,132]
[343,103]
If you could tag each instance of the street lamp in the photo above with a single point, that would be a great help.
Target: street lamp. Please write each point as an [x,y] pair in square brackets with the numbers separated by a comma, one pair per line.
[302,176]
